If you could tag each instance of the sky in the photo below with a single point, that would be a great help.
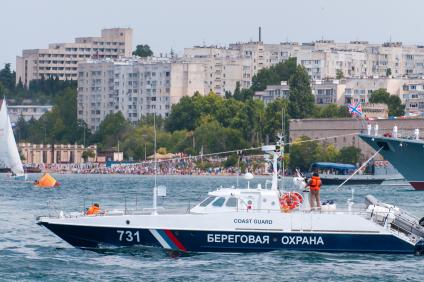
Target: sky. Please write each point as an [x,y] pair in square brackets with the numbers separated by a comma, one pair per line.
[176,24]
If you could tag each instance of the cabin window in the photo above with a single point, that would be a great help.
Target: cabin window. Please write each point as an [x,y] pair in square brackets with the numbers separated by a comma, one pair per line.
[207,201]
[219,202]
[231,202]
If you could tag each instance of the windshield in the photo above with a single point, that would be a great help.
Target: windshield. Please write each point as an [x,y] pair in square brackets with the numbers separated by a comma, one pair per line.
[207,201]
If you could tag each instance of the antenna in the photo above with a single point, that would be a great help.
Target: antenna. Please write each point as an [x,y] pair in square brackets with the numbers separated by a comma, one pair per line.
[155,189]
[282,142]
[260,34]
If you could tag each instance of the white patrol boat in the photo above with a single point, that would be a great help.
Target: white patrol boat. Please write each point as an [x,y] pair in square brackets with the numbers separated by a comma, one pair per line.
[249,219]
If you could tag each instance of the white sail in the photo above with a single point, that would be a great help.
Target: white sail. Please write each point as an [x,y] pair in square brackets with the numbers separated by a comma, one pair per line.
[9,154]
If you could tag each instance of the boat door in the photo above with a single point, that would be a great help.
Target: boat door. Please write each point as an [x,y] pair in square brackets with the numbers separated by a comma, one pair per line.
[249,201]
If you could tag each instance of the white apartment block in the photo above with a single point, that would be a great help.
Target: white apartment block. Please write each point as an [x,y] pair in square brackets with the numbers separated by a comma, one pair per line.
[325,92]
[353,90]
[273,92]
[323,60]
[360,89]
[413,96]
[61,59]
[134,87]
[27,112]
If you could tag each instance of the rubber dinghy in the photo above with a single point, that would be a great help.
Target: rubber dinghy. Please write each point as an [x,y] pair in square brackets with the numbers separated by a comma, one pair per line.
[47,181]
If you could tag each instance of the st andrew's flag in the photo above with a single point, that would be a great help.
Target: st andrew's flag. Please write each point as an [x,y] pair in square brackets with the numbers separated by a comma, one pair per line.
[355,110]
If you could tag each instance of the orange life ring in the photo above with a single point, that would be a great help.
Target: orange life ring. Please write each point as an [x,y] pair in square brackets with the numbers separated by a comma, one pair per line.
[290,201]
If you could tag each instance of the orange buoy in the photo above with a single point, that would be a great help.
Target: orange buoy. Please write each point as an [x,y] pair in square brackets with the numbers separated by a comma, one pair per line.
[47,181]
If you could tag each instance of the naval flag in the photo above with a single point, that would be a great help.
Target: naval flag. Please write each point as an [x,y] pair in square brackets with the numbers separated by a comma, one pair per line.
[355,110]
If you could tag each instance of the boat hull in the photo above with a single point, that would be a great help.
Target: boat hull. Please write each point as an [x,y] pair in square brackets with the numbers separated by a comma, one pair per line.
[227,241]
[405,155]
[352,181]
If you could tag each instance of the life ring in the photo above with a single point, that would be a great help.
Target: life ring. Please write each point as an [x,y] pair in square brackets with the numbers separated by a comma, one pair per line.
[290,201]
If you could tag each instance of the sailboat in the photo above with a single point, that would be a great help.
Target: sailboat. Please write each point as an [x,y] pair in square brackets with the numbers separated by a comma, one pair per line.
[9,154]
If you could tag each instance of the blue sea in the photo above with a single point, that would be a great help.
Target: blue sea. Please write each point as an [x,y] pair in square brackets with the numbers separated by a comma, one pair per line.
[29,252]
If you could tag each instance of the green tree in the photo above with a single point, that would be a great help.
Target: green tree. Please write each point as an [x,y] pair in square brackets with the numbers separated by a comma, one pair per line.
[213,137]
[273,75]
[7,77]
[396,108]
[143,51]
[349,155]
[273,119]
[330,154]
[388,72]
[393,102]
[184,114]
[301,100]
[249,120]
[332,111]
[303,154]
[111,130]
[88,154]
[329,111]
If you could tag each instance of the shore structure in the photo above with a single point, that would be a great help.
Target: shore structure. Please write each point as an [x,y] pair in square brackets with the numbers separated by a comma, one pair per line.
[56,153]
[324,128]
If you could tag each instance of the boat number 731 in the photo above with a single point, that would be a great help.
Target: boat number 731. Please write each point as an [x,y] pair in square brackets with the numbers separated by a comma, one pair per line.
[128,236]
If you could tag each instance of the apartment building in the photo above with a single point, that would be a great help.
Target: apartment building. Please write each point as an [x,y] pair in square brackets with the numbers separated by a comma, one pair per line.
[413,97]
[134,87]
[360,89]
[273,92]
[324,91]
[323,60]
[61,59]
[353,90]
[27,112]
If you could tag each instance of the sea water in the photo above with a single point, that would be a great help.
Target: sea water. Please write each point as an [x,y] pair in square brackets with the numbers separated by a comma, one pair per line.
[29,252]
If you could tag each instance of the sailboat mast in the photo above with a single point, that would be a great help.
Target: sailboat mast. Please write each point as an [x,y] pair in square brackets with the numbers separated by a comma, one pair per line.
[282,148]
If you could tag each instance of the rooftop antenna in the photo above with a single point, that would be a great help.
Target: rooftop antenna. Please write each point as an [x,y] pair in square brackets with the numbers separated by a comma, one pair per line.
[260,34]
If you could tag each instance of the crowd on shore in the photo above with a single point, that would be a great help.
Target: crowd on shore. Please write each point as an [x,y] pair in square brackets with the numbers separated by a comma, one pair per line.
[185,166]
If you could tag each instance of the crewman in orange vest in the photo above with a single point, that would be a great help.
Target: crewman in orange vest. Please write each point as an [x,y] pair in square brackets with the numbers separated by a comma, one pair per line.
[314,186]
[94,209]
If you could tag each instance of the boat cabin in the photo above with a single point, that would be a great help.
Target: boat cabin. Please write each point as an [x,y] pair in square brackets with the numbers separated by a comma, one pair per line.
[236,199]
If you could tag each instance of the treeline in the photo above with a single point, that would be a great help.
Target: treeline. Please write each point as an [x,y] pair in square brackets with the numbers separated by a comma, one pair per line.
[303,154]
[40,92]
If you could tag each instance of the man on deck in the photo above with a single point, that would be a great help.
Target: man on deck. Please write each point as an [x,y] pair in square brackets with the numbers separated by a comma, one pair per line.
[314,185]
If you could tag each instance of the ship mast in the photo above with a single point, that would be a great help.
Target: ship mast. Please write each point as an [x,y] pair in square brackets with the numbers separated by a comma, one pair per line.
[155,188]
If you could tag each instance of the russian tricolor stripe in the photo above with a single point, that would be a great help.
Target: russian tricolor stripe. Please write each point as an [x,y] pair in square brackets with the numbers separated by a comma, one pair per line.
[167,239]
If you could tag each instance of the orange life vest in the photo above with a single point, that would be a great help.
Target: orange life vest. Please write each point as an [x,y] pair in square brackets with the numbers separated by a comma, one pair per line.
[315,183]
[93,210]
